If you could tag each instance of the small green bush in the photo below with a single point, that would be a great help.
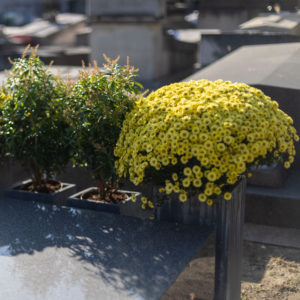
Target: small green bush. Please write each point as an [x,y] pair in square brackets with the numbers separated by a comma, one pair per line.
[34,128]
[99,102]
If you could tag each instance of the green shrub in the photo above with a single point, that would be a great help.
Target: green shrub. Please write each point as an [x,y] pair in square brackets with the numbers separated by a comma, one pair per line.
[34,128]
[99,102]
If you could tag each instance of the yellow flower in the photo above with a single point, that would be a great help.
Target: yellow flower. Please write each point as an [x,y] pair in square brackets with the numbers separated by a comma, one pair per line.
[150,204]
[174,161]
[197,183]
[208,192]
[183,160]
[175,176]
[211,176]
[227,196]
[208,145]
[184,134]
[133,197]
[221,147]
[186,182]
[209,185]
[203,137]
[144,200]
[209,202]
[176,189]
[169,189]
[183,197]
[228,139]
[187,171]
[165,161]
[217,190]
[196,169]
[202,197]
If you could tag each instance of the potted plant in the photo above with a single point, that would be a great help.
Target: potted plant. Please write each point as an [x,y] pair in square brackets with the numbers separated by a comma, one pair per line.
[99,101]
[195,139]
[34,129]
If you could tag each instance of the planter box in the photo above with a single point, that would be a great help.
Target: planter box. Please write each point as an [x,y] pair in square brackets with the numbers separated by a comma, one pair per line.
[193,211]
[190,212]
[127,207]
[58,197]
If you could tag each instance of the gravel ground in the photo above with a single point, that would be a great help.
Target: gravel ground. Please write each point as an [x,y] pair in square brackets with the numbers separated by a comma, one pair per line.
[269,272]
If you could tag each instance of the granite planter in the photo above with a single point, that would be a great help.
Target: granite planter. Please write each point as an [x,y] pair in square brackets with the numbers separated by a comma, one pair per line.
[193,211]
[59,197]
[190,212]
[127,207]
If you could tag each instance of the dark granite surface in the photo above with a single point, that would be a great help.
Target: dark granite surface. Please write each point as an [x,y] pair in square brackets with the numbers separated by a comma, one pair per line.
[289,190]
[270,65]
[50,252]
[275,206]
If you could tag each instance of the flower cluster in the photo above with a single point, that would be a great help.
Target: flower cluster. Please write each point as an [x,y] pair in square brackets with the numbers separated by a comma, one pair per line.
[199,136]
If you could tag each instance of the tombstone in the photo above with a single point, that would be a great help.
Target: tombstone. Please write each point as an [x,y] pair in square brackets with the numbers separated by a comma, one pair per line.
[227,15]
[129,28]
[214,45]
[135,28]
[285,22]
[113,8]
[43,32]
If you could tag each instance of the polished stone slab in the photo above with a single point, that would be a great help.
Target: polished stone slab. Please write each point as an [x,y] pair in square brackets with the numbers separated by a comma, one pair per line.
[259,65]
[285,22]
[51,252]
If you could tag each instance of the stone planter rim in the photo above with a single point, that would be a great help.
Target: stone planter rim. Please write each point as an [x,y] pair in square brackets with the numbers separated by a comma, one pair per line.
[57,197]
[64,185]
[94,187]
[75,201]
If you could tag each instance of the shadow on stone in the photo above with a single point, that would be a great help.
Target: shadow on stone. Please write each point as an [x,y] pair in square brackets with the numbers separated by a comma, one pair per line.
[140,257]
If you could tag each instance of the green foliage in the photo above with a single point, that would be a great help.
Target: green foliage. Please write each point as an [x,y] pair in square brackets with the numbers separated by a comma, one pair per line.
[34,128]
[99,102]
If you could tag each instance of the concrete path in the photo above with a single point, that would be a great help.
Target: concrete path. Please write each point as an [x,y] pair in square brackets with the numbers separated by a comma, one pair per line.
[50,252]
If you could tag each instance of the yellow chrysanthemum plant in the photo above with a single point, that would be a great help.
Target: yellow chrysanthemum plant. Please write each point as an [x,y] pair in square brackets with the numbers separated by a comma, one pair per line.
[200,136]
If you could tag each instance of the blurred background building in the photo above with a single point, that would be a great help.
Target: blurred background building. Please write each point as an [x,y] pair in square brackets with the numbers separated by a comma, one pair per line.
[20,12]
[166,39]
